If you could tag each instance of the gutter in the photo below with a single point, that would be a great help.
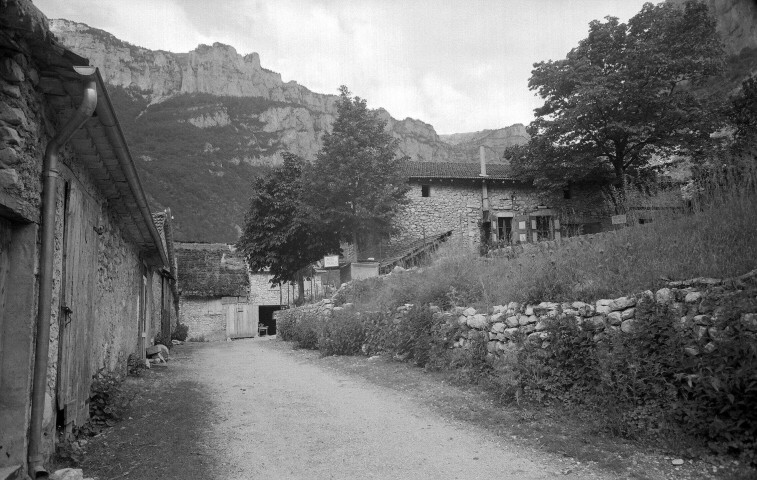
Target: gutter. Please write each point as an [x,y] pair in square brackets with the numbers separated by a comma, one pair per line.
[50,177]
[107,117]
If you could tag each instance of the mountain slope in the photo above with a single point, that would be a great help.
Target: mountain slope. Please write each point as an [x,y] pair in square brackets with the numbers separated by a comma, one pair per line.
[201,125]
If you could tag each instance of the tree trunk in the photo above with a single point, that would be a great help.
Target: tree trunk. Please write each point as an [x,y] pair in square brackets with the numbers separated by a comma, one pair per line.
[354,244]
[300,288]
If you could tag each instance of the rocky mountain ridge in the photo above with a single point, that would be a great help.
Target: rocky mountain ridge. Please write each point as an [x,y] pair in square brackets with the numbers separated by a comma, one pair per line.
[219,70]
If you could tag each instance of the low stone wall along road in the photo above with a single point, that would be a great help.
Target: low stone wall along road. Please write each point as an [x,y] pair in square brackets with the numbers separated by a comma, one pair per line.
[259,410]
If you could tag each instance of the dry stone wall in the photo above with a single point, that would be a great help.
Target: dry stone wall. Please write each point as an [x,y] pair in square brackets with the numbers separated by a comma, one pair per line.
[698,303]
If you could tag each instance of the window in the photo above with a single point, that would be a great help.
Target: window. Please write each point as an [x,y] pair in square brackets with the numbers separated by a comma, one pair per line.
[566,194]
[425,190]
[541,228]
[504,229]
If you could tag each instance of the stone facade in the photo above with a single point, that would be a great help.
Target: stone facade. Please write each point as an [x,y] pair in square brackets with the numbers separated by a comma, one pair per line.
[205,318]
[450,197]
[104,253]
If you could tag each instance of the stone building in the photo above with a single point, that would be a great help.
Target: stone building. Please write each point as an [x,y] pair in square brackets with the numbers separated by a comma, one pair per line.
[78,246]
[165,291]
[457,198]
[214,292]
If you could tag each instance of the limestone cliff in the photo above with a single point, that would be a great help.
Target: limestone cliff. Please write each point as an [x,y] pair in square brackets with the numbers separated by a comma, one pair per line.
[736,23]
[219,70]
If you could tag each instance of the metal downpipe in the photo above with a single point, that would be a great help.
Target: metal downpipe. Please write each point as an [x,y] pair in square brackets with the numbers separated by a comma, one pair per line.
[50,176]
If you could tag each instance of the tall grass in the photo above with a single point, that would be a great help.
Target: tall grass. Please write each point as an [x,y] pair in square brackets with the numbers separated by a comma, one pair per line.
[716,237]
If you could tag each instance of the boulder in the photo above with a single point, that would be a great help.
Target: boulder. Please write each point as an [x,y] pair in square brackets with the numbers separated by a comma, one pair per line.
[498,327]
[469,312]
[154,350]
[477,321]
[602,309]
[664,296]
[622,303]
[628,313]
[627,325]
[693,297]
[615,318]
[512,321]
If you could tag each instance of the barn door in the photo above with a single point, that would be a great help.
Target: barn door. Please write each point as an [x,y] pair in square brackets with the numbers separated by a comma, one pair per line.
[239,323]
[76,315]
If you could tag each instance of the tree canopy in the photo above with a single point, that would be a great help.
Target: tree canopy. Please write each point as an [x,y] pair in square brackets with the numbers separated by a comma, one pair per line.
[356,182]
[622,96]
[282,232]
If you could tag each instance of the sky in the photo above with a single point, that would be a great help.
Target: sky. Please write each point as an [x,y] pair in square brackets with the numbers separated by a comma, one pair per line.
[460,65]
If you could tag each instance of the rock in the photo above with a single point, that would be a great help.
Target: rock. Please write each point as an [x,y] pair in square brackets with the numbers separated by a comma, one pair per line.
[9,179]
[627,325]
[512,321]
[11,115]
[529,310]
[511,332]
[693,297]
[628,313]
[603,303]
[749,320]
[664,296]
[677,461]
[12,90]
[540,325]
[701,332]
[622,303]
[11,71]
[177,342]
[579,305]
[9,136]
[602,309]
[597,321]
[692,351]
[534,337]
[702,319]
[462,320]
[614,318]
[469,312]
[498,327]
[710,347]
[496,317]
[478,321]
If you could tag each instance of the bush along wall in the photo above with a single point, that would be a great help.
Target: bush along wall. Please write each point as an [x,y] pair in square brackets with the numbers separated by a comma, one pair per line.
[654,364]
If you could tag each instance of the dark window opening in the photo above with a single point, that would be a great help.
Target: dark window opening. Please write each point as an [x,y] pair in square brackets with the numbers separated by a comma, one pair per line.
[504,229]
[566,194]
[642,221]
[425,190]
[543,232]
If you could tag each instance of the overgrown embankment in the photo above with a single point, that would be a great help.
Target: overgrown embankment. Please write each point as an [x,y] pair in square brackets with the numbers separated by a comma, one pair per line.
[576,325]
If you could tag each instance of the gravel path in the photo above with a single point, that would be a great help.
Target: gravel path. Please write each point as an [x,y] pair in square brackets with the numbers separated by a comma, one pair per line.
[277,416]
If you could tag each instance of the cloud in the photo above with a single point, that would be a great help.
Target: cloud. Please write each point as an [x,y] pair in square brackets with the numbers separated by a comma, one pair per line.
[461,65]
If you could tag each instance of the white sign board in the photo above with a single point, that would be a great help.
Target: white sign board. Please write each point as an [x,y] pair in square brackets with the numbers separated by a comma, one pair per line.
[618,219]
[331,261]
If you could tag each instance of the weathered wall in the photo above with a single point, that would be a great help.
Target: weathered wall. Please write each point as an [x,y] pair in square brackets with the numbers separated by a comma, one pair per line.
[26,126]
[457,205]
[205,317]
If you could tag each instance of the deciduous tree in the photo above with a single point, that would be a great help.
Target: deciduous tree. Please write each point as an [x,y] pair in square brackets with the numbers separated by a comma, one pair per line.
[623,96]
[282,232]
[356,181]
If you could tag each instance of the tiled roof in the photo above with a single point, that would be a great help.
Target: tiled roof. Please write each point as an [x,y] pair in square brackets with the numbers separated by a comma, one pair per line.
[211,270]
[455,170]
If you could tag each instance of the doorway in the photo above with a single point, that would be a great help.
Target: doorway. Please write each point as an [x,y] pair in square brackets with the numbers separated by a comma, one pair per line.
[266,317]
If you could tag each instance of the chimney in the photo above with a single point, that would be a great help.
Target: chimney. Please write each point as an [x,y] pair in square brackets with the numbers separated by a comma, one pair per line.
[484,189]
[482,154]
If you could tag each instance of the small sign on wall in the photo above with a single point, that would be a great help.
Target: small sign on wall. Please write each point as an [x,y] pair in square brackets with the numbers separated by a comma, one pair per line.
[618,219]
[331,261]
[522,226]
[522,236]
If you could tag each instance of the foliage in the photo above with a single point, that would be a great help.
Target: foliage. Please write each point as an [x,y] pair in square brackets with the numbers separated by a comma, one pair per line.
[282,233]
[742,113]
[180,332]
[107,400]
[356,182]
[341,334]
[623,96]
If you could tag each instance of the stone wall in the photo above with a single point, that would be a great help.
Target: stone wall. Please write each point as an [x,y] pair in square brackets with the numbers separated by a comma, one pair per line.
[26,126]
[456,205]
[205,317]
[699,303]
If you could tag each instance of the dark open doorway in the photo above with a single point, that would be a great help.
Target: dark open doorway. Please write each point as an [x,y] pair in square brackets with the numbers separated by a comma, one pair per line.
[266,317]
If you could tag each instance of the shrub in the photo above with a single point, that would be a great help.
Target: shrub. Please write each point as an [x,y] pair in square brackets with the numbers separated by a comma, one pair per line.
[107,401]
[306,331]
[180,332]
[341,334]
[285,323]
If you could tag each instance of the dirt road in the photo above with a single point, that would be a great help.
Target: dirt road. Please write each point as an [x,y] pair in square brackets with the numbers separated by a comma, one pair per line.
[253,409]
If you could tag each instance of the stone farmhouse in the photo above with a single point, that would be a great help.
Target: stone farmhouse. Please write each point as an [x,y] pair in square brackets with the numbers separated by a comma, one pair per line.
[86,277]
[485,203]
